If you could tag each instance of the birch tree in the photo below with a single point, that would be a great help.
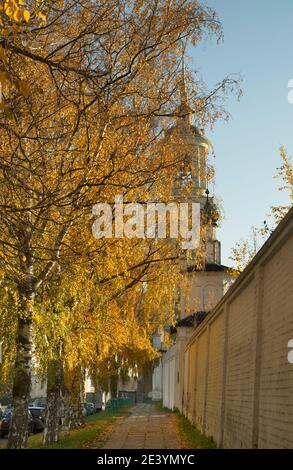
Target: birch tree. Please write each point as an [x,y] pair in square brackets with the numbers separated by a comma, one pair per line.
[74,74]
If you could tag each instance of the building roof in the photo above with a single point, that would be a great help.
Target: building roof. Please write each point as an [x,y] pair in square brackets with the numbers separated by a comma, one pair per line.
[209,267]
[192,320]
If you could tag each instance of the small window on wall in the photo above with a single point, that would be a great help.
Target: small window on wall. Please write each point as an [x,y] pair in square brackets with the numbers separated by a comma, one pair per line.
[185,178]
[178,377]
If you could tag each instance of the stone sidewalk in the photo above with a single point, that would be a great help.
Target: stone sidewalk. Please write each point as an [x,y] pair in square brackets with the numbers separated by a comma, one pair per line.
[145,428]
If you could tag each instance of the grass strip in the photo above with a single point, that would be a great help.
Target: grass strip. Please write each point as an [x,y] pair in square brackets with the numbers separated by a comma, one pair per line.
[92,433]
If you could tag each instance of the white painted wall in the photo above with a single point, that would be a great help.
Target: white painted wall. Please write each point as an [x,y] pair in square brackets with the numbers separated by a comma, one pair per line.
[169,372]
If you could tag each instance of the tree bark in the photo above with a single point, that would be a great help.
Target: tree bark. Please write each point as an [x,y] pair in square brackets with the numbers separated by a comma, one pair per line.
[73,417]
[54,402]
[18,432]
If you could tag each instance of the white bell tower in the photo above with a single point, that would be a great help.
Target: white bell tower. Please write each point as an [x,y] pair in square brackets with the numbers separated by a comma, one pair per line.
[204,284]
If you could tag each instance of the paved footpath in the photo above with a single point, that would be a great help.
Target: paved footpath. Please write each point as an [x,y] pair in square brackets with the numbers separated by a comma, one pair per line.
[145,428]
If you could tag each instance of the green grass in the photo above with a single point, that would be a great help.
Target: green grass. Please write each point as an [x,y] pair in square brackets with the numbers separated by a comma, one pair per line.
[91,433]
[190,436]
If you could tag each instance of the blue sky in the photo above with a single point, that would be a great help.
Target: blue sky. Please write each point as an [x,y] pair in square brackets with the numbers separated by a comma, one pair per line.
[258,44]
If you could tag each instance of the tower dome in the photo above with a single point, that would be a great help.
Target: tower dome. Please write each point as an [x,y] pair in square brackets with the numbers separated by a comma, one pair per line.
[191,143]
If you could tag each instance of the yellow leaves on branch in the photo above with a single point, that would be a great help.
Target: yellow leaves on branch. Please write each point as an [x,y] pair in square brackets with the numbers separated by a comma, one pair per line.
[4,77]
[109,297]
[42,17]
[17,12]
[13,9]
[21,85]
[26,15]
[285,172]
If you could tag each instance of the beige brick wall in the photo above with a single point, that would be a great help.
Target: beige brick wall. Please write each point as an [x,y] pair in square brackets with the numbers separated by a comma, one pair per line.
[240,370]
[200,380]
[191,382]
[276,374]
[186,382]
[215,377]
[238,383]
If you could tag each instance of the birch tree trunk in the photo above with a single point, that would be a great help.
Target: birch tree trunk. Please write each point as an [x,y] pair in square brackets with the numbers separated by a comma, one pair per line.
[72,400]
[18,432]
[54,402]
